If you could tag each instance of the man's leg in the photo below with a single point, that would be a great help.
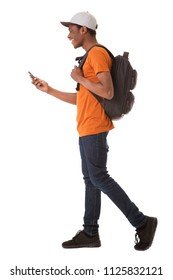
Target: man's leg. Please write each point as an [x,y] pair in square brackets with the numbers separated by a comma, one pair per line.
[92,199]
[95,149]
[89,237]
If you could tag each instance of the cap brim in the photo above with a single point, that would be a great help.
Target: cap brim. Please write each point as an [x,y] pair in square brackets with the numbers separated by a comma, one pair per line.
[65,23]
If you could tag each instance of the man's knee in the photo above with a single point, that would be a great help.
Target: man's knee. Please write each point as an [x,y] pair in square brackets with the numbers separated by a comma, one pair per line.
[100,180]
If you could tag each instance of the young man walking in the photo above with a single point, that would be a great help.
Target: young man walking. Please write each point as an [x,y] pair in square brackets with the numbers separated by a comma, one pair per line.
[93,126]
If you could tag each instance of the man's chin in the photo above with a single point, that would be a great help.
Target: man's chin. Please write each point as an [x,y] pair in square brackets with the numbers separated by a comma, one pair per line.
[76,46]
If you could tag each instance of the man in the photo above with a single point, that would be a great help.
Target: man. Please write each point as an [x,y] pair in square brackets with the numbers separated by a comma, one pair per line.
[93,126]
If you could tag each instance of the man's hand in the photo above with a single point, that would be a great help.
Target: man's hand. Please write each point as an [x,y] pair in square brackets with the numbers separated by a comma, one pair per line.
[76,74]
[40,84]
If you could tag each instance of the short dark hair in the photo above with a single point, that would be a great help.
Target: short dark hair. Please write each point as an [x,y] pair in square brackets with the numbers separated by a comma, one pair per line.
[92,32]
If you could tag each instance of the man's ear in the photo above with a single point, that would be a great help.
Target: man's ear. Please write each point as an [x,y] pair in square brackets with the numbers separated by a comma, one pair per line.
[84,30]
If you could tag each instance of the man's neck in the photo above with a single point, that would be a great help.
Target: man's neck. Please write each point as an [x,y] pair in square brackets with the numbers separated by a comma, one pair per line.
[87,45]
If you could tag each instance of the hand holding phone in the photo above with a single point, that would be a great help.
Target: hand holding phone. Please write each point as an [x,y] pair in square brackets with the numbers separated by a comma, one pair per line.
[40,84]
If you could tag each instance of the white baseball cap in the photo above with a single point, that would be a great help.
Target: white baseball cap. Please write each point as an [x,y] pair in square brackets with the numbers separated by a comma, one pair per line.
[83,19]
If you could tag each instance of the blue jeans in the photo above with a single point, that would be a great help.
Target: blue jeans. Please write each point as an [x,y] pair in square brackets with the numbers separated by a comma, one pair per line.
[93,150]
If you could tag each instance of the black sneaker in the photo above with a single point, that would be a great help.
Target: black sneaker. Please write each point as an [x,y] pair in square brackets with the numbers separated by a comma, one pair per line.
[144,235]
[81,240]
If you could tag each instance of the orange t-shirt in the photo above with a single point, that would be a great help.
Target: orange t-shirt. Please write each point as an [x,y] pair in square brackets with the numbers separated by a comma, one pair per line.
[91,118]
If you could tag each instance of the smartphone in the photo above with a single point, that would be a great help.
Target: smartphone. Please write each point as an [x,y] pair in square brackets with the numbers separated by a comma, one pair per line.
[31,75]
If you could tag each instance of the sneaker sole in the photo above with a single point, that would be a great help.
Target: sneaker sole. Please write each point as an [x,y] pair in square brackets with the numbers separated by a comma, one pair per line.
[76,246]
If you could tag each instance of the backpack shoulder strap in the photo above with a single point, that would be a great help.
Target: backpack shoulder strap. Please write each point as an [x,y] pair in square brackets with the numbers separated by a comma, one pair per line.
[81,59]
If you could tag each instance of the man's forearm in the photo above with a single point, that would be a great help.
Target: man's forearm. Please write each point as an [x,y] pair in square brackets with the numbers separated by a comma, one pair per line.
[64,96]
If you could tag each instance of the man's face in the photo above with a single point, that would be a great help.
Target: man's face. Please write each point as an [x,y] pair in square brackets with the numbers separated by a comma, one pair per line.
[75,36]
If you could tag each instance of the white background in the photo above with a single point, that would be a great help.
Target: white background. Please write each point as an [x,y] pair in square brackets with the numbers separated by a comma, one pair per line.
[41,185]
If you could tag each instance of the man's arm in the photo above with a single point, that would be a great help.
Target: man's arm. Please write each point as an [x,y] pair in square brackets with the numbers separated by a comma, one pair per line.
[103,88]
[64,96]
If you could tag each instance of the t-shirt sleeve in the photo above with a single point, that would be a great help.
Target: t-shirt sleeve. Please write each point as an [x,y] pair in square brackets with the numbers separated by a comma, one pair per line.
[99,60]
